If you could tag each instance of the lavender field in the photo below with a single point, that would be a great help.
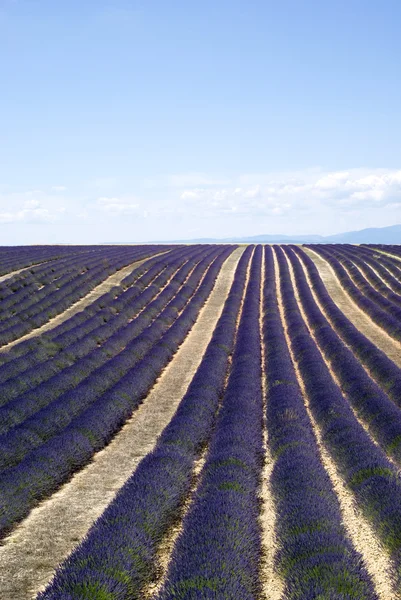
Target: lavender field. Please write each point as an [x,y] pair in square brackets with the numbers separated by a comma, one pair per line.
[200,422]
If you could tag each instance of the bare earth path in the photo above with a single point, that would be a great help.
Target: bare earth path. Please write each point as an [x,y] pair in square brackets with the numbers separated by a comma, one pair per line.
[98,291]
[352,311]
[12,273]
[36,547]
[358,528]
[273,586]
[388,254]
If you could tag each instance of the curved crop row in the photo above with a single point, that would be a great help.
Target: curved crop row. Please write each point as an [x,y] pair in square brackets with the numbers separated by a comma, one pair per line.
[369,283]
[17,288]
[46,412]
[119,553]
[366,470]
[20,293]
[315,557]
[37,349]
[97,346]
[218,552]
[57,301]
[380,366]
[16,293]
[377,314]
[20,257]
[381,266]
[53,463]
[387,248]
[373,406]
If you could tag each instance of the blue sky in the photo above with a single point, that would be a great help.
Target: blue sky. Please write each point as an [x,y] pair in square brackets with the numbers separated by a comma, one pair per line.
[136,121]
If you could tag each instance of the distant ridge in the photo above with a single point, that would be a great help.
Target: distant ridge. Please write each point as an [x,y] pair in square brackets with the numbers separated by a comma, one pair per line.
[373,235]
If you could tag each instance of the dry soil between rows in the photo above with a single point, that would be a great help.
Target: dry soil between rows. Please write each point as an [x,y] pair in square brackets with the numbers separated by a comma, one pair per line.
[273,586]
[98,291]
[352,311]
[12,273]
[44,539]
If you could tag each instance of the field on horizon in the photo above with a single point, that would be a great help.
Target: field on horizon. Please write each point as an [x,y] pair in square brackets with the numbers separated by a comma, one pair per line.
[182,422]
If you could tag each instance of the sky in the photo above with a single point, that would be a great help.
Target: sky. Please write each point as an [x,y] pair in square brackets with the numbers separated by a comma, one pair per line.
[134,121]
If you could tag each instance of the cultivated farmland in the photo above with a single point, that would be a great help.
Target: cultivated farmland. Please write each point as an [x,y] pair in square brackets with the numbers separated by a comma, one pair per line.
[200,422]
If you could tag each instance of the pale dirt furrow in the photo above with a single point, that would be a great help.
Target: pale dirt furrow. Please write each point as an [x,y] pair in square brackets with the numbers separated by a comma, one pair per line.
[98,291]
[388,286]
[273,585]
[388,254]
[44,539]
[12,273]
[364,276]
[169,541]
[357,527]
[351,310]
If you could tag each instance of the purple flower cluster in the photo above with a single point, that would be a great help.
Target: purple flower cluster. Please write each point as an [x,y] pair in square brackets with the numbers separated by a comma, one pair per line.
[391,324]
[371,403]
[69,282]
[389,248]
[78,354]
[52,405]
[119,553]
[218,552]
[315,557]
[105,309]
[13,258]
[364,467]
[98,419]
[380,366]
[368,282]
[387,271]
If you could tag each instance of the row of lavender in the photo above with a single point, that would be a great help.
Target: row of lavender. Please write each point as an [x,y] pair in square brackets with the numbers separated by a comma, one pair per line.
[13,258]
[315,556]
[61,437]
[364,466]
[387,248]
[38,349]
[70,279]
[20,294]
[92,342]
[372,277]
[382,272]
[30,419]
[382,310]
[372,404]
[380,367]
[119,555]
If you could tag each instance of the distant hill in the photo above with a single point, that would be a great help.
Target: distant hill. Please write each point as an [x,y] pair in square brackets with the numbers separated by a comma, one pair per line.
[373,235]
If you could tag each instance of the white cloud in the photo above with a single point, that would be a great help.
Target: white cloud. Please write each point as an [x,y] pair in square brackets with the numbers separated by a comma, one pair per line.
[332,181]
[195,180]
[28,215]
[118,206]
[192,194]
[297,192]
[58,188]
[255,192]
[32,206]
